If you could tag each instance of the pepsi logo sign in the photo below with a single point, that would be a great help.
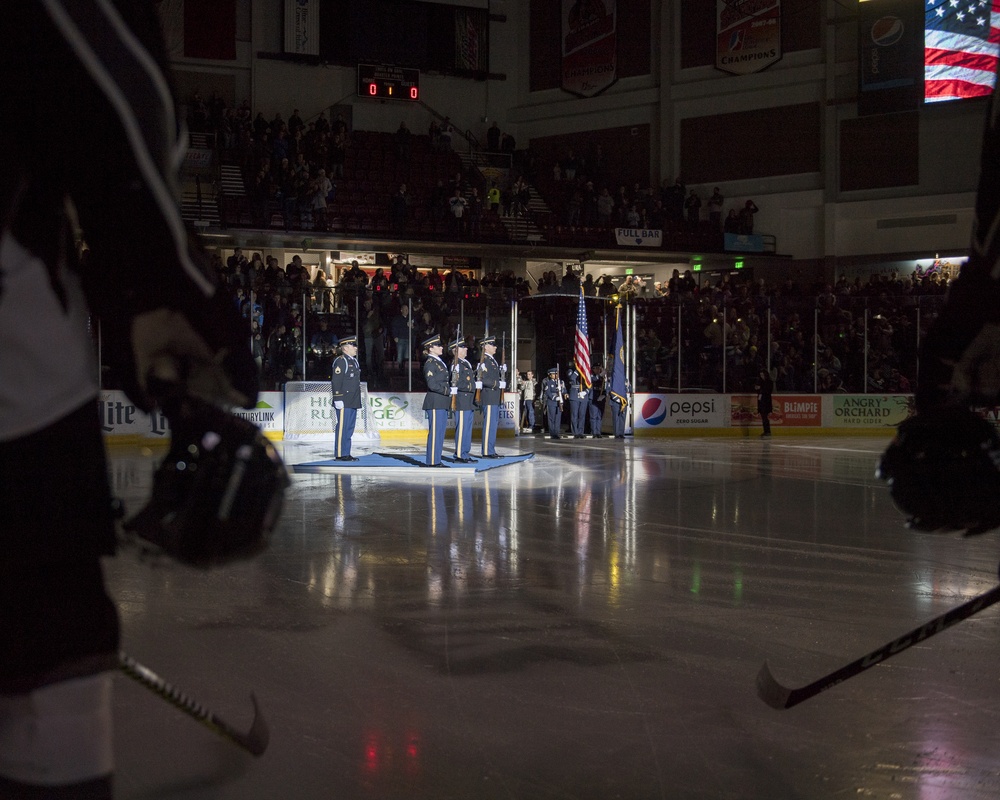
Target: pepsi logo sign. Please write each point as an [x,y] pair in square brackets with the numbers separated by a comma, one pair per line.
[887,31]
[654,411]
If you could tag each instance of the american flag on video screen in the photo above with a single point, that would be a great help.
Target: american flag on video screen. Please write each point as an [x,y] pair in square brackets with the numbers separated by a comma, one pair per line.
[961,39]
[581,345]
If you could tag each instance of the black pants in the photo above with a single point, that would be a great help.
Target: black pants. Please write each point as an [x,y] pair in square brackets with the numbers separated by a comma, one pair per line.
[56,522]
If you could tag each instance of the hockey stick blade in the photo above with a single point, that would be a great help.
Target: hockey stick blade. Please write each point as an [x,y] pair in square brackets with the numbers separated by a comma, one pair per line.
[780,697]
[254,741]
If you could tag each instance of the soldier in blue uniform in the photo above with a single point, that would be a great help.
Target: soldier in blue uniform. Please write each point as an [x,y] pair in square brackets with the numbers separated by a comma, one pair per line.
[579,402]
[490,380]
[620,406]
[437,401]
[463,390]
[598,398]
[553,390]
[345,383]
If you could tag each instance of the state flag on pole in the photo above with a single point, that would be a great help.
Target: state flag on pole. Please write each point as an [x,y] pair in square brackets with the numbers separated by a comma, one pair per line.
[581,344]
[619,385]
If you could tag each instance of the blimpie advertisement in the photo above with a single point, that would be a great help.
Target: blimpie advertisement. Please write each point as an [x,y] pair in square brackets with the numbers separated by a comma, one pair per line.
[790,410]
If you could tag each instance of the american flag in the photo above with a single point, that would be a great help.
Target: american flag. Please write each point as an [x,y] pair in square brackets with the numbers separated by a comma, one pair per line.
[581,345]
[961,42]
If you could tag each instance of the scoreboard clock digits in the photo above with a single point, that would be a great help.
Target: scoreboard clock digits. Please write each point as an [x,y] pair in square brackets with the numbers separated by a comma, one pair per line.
[388,83]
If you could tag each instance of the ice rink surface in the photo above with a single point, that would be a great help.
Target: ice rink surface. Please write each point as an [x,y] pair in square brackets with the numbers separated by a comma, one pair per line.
[586,624]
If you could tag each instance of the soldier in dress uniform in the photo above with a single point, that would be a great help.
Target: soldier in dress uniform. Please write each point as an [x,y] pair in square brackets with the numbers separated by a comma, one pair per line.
[598,398]
[437,401]
[553,390]
[579,402]
[620,406]
[463,391]
[345,383]
[490,380]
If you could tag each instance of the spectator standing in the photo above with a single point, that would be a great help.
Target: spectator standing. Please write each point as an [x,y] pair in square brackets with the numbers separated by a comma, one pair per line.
[493,137]
[457,205]
[398,204]
[400,328]
[527,390]
[746,217]
[715,203]
[474,211]
[692,208]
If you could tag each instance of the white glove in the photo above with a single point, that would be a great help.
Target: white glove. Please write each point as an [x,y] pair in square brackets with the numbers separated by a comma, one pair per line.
[454,390]
[338,404]
[167,348]
[479,384]
[581,395]
[503,368]
[503,384]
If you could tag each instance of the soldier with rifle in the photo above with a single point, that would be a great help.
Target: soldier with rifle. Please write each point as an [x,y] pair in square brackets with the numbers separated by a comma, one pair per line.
[490,384]
[553,390]
[462,398]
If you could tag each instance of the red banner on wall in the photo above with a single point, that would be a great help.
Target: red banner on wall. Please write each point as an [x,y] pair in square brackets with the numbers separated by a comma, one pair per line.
[748,35]
[589,46]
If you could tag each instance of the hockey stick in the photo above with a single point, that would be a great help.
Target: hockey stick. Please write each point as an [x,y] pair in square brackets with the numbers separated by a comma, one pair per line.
[778,696]
[253,741]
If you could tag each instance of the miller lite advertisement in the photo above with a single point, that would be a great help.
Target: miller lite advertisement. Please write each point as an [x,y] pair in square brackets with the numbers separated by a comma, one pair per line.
[890,56]
[589,46]
[748,35]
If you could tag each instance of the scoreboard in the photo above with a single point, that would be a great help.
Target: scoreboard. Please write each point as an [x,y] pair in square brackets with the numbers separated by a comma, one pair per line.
[388,83]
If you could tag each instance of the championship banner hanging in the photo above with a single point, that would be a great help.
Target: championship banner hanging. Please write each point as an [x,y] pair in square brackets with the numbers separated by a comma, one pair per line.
[748,35]
[589,46]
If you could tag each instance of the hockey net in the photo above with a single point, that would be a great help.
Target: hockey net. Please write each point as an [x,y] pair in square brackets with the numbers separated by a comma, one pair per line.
[309,413]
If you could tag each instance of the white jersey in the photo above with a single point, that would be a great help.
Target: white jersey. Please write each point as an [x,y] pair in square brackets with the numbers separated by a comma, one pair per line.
[47,364]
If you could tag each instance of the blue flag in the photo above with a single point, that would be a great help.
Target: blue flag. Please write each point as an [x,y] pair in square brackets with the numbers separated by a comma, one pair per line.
[619,384]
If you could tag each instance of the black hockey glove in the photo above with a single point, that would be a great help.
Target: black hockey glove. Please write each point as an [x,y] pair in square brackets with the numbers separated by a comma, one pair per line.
[218,493]
[942,471]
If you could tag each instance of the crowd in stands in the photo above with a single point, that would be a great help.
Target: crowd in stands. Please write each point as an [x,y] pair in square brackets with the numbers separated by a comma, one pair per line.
[709,334]
[319,175]
[715,334]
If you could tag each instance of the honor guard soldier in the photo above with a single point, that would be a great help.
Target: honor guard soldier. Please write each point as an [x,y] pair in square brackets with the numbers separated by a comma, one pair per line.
[490,382]
[598,398]
[463,391]
[345,384]
[553,390]
[437,401]
[620,406]
[579,401]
